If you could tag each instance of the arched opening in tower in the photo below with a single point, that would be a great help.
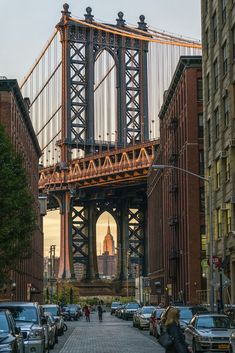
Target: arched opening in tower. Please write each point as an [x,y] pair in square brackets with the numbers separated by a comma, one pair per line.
[105,99]
[106,246]
[51,230]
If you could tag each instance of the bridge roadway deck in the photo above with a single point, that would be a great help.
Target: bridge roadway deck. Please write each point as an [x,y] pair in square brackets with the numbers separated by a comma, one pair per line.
[111,336]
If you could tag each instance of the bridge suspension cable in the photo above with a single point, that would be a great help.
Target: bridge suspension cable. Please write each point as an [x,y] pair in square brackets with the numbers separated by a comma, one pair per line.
[43,84]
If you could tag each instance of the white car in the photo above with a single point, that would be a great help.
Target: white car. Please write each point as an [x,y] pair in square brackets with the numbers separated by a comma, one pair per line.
[143,317]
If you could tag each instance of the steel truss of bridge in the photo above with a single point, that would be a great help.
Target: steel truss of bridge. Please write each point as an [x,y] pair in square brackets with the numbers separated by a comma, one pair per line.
[112,175]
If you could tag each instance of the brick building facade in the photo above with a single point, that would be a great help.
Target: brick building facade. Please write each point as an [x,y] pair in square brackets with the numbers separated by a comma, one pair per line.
[218,47]
[14,115]
[176,202]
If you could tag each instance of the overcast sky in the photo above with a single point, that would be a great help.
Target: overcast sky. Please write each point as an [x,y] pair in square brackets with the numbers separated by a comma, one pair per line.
[26,25]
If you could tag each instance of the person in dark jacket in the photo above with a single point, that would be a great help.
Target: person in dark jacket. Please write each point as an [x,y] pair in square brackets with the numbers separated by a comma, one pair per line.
[173,328]
[100,312]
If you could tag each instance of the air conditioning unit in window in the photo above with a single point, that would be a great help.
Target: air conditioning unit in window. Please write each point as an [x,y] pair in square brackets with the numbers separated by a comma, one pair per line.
[223,154]
[223,207]
[232,199]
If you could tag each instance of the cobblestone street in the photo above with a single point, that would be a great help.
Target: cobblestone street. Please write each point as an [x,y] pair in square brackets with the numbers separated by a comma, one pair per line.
[111,336]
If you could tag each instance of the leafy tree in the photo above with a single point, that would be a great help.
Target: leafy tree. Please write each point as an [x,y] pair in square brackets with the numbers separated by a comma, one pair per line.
[17,212]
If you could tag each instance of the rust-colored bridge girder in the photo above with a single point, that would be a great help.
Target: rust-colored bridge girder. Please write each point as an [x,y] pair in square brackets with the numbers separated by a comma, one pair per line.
[114,167]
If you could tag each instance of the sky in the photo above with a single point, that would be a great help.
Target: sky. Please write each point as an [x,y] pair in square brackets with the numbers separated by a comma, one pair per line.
[26,25]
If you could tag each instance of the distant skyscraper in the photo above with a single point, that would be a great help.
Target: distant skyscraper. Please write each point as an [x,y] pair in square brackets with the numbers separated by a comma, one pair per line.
[107,262]
[108,243]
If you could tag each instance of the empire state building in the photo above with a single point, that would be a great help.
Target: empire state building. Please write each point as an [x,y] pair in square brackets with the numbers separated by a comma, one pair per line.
[107,262]
[108,243]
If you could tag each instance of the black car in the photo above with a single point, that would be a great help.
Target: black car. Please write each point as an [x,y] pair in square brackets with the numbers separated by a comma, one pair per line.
[72,311]
[10,338]
[114,307]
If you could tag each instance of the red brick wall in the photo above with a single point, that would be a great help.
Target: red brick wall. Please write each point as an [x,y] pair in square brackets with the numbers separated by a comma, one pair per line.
[31,270]
[181,268]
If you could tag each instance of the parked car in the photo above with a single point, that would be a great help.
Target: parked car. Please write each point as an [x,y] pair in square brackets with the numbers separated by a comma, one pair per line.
[52,332]
[56,312]
[129,310]
[154,322]
[142,317]
[119,311]
[136,318]
[209,332]
[72,311]
[11,339]
[29,317]
[114,307]
[187,312]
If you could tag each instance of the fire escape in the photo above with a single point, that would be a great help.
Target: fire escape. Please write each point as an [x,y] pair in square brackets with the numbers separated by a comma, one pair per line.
[173,190]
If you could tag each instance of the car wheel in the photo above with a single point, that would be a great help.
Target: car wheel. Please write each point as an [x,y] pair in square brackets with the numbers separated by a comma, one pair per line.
[194,347]
[56,337]
[51,346]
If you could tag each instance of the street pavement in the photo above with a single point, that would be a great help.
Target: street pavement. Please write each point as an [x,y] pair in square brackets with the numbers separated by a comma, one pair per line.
[110,336]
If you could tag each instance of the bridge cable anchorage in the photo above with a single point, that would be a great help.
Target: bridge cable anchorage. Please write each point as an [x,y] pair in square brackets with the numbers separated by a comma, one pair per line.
[39,58]
[124,33]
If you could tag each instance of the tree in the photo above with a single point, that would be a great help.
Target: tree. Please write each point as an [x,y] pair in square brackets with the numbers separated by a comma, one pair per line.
[17,212]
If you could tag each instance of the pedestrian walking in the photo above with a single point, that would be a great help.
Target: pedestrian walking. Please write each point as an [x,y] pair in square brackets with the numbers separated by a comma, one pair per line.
[173,336]
[100,312]
[87,312]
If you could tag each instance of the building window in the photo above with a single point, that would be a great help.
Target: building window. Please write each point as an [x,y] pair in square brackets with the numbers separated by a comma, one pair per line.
[226,110]
[200,125]
[217,174]
[227,169]
[199,90]
[208,87]
[228,218]
[206,7]
[203,238]
[214,27]
[209,132]
[225,59]
[215,69]
[207,43]
[201,163]
[202,199]
[224,11]
[233,42]
[219,223]
[216,120]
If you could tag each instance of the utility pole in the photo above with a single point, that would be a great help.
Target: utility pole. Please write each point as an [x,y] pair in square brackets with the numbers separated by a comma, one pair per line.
[51,270]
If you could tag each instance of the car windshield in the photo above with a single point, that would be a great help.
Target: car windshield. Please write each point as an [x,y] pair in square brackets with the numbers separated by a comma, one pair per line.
[185,314]
[132,306]
[115,305]
[148,310]
[51,309]
[3,323]
[21,313]
[213,322]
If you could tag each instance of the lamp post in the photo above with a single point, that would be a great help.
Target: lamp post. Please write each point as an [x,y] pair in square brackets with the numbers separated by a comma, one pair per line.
[211,238]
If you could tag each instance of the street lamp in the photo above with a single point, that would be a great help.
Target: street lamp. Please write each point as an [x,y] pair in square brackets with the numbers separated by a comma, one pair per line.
[211,238]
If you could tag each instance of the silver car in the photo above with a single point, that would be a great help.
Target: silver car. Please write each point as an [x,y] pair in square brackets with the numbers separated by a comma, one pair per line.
[144,317]
[209,332]
[29,317]
[55,311]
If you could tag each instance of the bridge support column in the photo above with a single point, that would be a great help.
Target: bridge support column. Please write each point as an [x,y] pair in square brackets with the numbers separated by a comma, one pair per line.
[124,240]
[66,266]
[92,271]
